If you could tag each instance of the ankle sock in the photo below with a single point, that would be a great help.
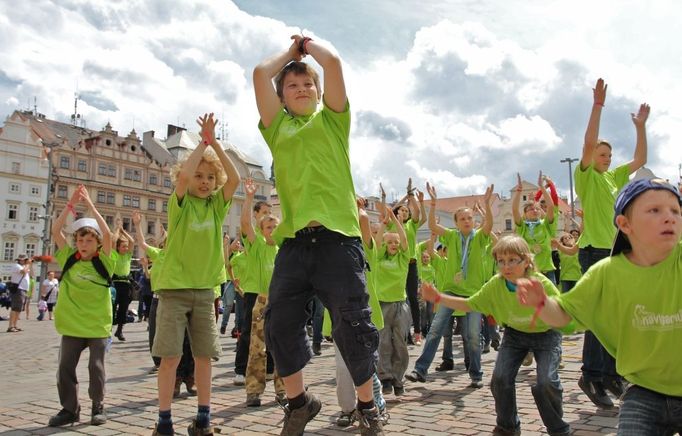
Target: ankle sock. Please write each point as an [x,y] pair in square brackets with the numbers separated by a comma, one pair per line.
[297,402]
[365,405]
[165,424]
[203,416]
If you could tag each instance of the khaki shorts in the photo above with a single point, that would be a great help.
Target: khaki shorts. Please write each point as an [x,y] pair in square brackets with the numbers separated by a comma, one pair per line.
[190,309]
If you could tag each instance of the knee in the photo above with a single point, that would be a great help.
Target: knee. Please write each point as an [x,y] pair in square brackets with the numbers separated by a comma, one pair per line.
[357,337]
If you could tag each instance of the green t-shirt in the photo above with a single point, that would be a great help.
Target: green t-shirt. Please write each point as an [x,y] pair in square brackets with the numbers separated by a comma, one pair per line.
[122,265]
[597,193]
[570,267]
[539,237]
[636,313]
[495,299]
[249,281]
[238,264]
[312,169]
[83,307]
[194,246]
[454,280]
[156,255]
[261,257]
[391,275]
[427,273]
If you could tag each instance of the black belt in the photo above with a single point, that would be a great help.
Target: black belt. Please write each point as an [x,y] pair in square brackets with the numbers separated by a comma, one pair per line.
[310,230]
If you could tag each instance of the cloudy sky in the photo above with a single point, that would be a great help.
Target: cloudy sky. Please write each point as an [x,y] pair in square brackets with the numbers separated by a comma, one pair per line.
[461,93]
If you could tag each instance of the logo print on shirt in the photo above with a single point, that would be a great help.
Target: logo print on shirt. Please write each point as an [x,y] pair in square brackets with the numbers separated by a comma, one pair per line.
[201,226]
[645,320]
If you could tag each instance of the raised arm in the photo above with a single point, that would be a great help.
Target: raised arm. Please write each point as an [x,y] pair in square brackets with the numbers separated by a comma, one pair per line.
[363,219]
[104,228]
[245,220]
[548,200]
[412,202]
[207,124]
[334,86]
[125,235]
[431,294]
[139,234]
[516,201]
[556,243]
[58,224]
[639,121]
[267,100]
[398,228]
[189,167]
[422,210]
[433,224]
[487,225]
[592,132]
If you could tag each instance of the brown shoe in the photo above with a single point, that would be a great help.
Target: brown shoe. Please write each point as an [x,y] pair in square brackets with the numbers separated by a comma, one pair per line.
[176,389]
[189,384]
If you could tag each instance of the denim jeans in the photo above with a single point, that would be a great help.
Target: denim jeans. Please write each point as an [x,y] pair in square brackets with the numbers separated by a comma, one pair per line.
[447,339]
[228,302]
[547,391]
[597,362]
[648,413]
[551,275]
[471,336]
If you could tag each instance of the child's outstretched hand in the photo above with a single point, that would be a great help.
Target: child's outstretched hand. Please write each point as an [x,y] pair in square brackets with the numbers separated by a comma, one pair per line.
[420,196]
[431,189]
[250,187]
[207,124]
[599,92]
[530,292]
[85,196]
[137,218]
[487,197]
[429,292]
[519,184]
[639,120]
[294,51]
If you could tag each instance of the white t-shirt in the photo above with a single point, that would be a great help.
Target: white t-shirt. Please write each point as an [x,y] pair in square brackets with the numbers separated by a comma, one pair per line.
[45,288]
[19,276]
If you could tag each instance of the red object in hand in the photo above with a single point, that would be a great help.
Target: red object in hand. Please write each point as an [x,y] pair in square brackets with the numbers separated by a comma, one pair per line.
[43,258]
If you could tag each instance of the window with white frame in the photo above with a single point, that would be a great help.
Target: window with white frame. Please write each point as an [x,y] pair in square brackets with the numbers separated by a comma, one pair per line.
[136,202]
[65,162]
[62,191]
[151,204]
[137,175]
[126,200]
[164,206]
[9,250]
[153,179]
[101,197]
[128,174]
[32,213]
[30,249]
[111,198]
[35,190]
[111,171]
[12,211]
[102,169]
[14,188]
[166,182]
[82,165]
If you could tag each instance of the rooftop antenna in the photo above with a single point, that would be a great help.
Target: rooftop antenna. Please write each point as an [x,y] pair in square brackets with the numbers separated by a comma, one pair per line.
[75,116]
[222,127]
[35,105]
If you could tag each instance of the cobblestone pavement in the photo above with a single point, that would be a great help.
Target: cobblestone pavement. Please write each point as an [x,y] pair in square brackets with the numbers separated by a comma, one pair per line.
[443,405]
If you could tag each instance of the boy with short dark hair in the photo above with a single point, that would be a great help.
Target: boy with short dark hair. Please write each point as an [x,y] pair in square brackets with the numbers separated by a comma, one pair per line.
[639,287]
[321,252]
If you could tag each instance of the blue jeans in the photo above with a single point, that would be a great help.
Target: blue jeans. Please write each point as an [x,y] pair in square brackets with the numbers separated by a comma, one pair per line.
[648,413]
[228,302]
[547,391]
[471,335]
[597,362]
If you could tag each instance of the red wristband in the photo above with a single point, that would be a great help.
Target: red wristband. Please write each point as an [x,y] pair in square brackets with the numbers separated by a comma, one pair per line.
[438,298]
[599,104]
[70,208]
[538,308]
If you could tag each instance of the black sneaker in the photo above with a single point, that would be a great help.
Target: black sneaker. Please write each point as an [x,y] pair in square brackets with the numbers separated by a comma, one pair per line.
[446,365]
[614,385]
[98,417]
[223,329]
[386,386]
[499,431]
[414,376]
[64,417]
[596,393]
[495,344]
[317,349]
[370,422]
[398,390]
[296,420]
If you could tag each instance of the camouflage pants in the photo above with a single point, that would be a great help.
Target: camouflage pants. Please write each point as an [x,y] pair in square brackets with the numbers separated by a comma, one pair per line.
[256,368]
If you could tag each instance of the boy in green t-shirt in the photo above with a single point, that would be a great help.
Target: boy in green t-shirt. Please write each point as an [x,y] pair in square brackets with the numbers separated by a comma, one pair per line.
[192,268]
[597,187]
[633,304]
[123,253]
[568,256]
[521,336]
[83,315]
[260,250]
[392,264]
[321,252]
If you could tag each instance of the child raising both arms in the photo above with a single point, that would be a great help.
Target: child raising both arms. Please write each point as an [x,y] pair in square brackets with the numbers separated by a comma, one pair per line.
[639,287]
[321,252]
[193,266]
[521,335]
[83,315]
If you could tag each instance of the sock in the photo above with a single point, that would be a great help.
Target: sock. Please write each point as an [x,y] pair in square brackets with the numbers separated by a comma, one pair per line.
[365,405]
[165,424]
[297,402]
[203,416]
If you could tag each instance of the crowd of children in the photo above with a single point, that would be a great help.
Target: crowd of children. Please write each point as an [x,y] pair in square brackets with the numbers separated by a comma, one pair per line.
[376,280]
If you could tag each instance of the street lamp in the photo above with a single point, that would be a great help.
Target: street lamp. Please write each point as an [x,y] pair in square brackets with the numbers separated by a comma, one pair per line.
[48,207]
[570,181]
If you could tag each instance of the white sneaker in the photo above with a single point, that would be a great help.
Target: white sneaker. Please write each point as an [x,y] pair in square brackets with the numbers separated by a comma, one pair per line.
[238,380]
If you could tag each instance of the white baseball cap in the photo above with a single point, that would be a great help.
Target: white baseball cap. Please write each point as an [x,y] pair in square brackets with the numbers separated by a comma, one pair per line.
[85,222]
